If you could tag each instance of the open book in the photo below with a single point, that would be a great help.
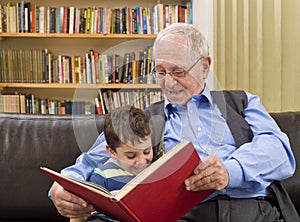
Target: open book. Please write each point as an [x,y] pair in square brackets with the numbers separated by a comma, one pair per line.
[156,194]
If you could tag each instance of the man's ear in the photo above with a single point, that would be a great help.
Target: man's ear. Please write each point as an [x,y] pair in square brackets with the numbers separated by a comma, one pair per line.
[206,61]
[110,151]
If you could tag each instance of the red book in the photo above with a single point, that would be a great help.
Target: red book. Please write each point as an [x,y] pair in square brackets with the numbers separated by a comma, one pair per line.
[99,106]
[66,20]
[156,194]
[33,18]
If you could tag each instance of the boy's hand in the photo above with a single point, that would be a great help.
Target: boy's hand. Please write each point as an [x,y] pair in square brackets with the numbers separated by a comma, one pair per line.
[68,204]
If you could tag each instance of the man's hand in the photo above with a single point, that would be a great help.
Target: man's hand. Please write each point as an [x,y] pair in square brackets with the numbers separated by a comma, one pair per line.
[68,204]
[210,174]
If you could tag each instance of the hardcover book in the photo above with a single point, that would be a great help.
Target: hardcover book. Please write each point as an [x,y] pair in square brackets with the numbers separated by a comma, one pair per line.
[156,194]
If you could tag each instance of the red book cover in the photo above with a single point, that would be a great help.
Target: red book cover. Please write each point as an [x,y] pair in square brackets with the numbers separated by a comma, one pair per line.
[66,20]
[33,18]
[99,106]
[96,58]
[179,8]
[156,194]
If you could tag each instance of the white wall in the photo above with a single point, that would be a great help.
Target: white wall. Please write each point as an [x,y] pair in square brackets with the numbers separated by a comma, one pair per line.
[203,19]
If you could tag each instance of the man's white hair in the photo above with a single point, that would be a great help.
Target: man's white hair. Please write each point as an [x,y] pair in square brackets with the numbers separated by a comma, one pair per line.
[197,44]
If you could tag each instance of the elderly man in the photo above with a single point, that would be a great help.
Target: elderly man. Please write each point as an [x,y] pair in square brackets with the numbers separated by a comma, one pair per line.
[240,159]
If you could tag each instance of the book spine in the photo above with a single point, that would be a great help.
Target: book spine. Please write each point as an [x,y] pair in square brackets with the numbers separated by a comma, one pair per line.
[52,20]
[71,19]
[41,19]
[1,19]
[26,20]
[65,19]
[191,12]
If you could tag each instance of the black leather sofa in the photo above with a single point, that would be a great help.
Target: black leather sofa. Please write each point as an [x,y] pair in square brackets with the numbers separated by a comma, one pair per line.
[30,141]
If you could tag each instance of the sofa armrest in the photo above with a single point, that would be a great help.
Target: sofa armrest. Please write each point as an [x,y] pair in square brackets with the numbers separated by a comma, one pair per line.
[289,122]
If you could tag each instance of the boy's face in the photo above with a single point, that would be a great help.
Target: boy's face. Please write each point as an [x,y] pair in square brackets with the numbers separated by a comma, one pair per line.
[133,159]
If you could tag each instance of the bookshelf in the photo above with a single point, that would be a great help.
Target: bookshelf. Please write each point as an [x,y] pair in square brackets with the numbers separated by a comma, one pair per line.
[77,44]
[75,36]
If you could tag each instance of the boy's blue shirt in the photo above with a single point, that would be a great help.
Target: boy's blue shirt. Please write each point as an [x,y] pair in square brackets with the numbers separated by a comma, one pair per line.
[110,175]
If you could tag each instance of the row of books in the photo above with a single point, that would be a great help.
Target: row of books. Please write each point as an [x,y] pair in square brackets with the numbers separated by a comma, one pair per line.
[30,104]
[142,98]
[103,102]
[40,66]
[29,17]
[21,65]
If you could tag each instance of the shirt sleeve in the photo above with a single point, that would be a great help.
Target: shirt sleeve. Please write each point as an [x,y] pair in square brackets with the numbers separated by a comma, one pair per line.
[87,161]
[267,158]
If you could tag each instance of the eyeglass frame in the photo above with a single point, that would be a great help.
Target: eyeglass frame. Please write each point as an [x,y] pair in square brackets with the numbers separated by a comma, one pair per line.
[171,73]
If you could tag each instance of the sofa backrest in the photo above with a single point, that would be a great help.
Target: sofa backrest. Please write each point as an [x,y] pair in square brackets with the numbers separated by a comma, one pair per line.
[30,141]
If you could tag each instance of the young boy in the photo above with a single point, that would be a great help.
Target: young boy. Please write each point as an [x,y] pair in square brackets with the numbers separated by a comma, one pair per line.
[128,135]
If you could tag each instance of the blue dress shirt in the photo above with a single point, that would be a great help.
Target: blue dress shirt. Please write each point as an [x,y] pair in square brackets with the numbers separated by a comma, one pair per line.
[251,167]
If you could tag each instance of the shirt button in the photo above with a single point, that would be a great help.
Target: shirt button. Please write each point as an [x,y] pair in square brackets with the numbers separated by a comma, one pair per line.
[211,150]
[199,129]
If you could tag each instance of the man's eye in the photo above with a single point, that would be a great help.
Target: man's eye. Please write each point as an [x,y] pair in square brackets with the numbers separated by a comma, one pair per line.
[178,72]
[161,73]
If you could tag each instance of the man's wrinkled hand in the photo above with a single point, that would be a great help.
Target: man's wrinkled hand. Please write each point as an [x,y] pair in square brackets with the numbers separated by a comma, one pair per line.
[68,204]
[211,173]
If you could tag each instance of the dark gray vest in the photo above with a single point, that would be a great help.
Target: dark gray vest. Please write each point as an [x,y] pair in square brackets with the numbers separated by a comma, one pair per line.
[231,104]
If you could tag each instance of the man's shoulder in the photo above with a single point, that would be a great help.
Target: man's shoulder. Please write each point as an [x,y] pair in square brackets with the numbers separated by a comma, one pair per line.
[235,93]
[236,99]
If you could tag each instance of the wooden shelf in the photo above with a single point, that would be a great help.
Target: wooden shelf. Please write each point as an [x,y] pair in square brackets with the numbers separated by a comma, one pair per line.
[79,35]
[28,48]
[4,86]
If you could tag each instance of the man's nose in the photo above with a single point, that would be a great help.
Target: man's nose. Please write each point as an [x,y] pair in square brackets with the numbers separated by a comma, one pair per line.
[169,80]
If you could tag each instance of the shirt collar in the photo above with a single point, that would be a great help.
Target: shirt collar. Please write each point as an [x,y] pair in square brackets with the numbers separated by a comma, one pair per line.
[169,107]
[204,96]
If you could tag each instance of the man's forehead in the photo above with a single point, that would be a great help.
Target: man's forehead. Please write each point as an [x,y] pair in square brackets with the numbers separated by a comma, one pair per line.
[177,39]
[172,58]
[172,43]
[172,50]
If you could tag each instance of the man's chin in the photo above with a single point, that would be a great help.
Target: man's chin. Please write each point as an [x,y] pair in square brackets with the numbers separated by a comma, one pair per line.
[178,99]
[173,98]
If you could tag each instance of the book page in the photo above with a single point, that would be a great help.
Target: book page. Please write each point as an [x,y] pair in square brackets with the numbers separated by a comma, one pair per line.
[93,185]
[58,177]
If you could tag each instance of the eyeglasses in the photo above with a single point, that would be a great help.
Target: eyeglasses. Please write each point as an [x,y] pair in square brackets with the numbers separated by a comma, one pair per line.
[177,73]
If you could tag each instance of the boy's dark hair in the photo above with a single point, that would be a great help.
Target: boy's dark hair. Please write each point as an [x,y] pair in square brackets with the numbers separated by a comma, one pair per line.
[125,125]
